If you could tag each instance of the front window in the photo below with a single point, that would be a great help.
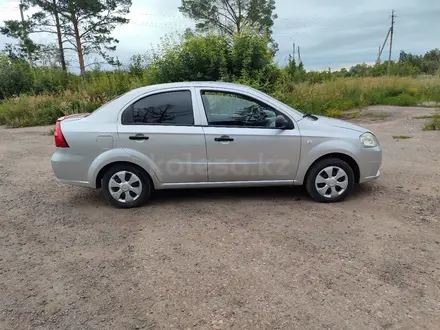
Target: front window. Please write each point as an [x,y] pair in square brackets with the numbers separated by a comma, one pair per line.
[230,109]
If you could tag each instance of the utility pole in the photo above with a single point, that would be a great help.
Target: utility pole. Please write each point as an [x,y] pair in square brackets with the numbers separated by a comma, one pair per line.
[294,51]
[299,56]
[25,36]
[391,40]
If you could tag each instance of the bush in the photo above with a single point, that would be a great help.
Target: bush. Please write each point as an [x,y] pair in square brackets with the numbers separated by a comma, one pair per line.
[402,100]
[15,77]
[246,57]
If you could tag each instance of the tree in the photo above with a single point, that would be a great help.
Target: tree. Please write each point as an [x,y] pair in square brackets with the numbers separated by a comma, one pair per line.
[87,25]
[19,30]
[45,20]
[231,16]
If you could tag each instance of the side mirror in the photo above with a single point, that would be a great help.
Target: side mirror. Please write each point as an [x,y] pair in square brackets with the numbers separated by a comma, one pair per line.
[281,122]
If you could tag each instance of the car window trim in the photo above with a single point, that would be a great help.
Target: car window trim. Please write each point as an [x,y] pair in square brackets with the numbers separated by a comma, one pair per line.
[202,90]
[130,107]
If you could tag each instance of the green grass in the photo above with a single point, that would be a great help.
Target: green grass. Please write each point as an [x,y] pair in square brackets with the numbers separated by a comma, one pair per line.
[334,113]
[45,109]
[401,137]
[378,116]
[352,115]
[433,124]
[330,98]
[403,99]
[424,117]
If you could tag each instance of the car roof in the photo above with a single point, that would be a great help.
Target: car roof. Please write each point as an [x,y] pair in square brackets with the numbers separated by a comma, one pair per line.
[186,84]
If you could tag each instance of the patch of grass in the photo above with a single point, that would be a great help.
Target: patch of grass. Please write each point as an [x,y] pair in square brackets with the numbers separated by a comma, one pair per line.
[401,137]
[401,100]
[379,116]
[424,117]
[353,115]
[433,124]
[375,116]
[40,110]
[334,113]
[349,93]
[51,131]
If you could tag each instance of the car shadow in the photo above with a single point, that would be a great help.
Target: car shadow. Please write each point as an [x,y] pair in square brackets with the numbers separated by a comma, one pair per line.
[282,193]
[232,194]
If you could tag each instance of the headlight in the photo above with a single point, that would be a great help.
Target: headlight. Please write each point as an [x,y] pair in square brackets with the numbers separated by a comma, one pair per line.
[368,140]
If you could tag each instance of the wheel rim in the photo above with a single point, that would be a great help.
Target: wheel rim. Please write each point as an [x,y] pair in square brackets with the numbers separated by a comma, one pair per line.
[331,182]
[125,186]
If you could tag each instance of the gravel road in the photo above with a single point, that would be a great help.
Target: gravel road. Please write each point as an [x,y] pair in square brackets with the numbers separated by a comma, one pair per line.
[224,259]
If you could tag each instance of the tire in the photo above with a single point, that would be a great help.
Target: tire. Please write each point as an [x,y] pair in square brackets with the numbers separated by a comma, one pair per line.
[330,180]
[123,179]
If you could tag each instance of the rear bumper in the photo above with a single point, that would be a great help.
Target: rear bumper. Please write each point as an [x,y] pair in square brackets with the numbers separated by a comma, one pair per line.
[76,183]
[70,169]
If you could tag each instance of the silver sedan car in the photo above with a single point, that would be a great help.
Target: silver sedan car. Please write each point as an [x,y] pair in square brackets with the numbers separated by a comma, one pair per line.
[209,134]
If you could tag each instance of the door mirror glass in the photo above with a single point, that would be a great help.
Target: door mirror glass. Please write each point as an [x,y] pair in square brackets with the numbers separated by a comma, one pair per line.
[281,122]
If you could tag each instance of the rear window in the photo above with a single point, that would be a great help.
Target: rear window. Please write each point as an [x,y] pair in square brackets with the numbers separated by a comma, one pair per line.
[169,108]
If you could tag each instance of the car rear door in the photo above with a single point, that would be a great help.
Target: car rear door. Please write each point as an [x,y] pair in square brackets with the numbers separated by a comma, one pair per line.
[242,141]
[161,126]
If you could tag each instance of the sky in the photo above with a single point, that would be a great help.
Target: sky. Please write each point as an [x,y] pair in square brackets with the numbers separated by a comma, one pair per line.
[331,34]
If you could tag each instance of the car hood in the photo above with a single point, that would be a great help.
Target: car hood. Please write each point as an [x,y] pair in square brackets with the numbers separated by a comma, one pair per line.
[339,124]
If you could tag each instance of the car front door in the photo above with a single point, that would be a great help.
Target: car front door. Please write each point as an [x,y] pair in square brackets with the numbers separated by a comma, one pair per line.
[161,127]
[242,140]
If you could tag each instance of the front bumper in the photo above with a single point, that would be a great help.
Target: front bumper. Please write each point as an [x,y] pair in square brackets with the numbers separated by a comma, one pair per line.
[370,161]
[370,178]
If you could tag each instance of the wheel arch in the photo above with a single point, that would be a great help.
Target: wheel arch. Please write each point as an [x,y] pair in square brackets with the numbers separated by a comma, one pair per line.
[346,158]
[100,175]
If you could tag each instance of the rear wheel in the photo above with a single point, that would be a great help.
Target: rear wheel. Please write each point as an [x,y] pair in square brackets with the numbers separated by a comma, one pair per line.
[330,180]
[126,186]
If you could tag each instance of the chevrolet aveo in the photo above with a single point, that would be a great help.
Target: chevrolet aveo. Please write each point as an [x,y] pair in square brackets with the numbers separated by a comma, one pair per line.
[209,134]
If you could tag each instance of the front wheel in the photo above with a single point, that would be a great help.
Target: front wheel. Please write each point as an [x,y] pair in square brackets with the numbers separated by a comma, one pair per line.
[126,186]
[330,180]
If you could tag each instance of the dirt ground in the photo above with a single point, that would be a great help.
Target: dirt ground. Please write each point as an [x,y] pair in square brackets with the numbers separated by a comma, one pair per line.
[265,258]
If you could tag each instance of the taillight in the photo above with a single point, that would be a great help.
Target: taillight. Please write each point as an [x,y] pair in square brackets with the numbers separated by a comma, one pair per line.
[60,141]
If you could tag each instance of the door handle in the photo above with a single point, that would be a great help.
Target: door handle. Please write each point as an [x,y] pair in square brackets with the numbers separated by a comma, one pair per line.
[138,137]
[223,138]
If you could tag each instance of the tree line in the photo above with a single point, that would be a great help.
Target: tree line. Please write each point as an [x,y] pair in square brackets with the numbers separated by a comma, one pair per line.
[85,26]
[232,41]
